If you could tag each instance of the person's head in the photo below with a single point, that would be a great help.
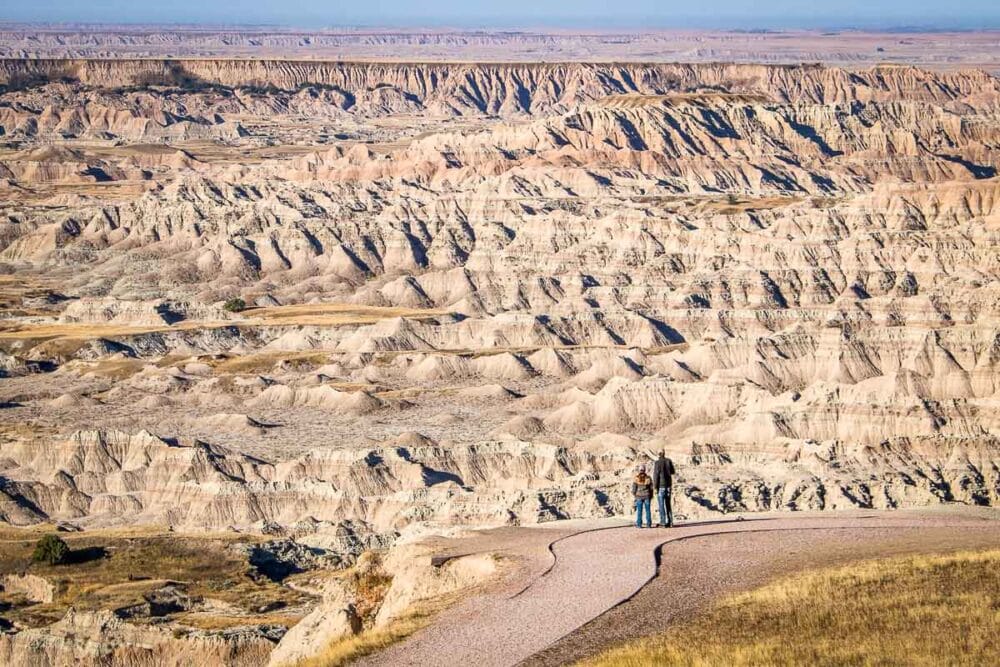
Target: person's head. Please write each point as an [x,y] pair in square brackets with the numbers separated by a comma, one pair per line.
[662,454]
[642,470]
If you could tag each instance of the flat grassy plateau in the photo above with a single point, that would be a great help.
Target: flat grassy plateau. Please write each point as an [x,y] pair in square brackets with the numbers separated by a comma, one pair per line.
[925,610]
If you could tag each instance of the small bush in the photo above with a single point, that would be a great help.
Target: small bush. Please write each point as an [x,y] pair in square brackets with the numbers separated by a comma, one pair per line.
[234,305]
[370,589]
[370,583]
[51,550]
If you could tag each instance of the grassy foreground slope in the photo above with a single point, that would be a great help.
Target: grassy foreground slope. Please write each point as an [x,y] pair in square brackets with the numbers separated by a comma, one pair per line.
[926,610]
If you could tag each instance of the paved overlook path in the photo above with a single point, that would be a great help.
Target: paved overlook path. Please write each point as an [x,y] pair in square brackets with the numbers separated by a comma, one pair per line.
[585,589]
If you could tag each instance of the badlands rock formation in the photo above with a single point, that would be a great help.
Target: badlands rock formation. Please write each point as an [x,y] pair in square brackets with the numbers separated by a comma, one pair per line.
[482,293]
[348,304]
[850,47]
[94,638]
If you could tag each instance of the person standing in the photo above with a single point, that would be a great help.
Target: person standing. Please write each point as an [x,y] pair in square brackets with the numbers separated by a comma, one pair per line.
[642,490]
[663,481]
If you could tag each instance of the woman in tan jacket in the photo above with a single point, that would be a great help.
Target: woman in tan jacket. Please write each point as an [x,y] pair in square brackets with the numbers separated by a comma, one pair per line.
[642,490]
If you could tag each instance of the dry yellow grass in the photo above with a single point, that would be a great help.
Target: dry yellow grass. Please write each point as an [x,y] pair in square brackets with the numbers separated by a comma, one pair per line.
[214,622]
[87,331]
[214,152]
[736,205]
[384,358]
[113,369]
[265,361]
[324,314]
[370,589]
[115,567]
[344,651]
[927,610]
[370,584]
[15,288]
[9,533]
[417,392]
[11,430]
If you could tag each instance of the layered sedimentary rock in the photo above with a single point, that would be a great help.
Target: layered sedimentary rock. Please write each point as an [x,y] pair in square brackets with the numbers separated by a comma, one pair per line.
[111,477]
[786,277]
[506,89]
[100,638]
[852,47]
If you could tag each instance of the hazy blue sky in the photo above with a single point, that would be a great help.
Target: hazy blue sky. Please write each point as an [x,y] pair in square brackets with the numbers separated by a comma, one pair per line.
[510,13]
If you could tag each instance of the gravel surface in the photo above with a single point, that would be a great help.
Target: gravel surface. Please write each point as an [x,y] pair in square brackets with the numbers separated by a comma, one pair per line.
[697,571]
[546,615]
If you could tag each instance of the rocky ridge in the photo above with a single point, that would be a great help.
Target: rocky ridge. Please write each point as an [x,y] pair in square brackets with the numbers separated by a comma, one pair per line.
[785,276]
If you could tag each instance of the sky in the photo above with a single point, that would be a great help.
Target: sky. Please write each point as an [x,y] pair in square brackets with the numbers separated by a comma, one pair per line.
[741,14]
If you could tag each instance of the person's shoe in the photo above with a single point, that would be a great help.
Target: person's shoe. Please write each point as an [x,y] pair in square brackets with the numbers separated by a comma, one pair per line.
[649,525]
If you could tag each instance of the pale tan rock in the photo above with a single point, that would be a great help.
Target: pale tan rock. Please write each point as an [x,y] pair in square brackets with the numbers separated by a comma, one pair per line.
[33,587]
[99,638]
[416,578]
[333,619]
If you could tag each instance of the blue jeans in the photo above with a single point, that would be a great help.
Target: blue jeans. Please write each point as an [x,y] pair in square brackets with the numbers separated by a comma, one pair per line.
[639,505]
[666,511]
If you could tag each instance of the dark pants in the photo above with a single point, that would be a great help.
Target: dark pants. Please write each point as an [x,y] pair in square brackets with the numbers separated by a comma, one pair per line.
[666,512]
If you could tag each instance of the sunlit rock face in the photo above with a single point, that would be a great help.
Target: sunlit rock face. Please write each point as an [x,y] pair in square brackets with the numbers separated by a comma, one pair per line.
[483,294]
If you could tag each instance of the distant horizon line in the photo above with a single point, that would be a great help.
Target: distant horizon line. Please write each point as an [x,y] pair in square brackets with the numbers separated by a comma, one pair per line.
[513,28]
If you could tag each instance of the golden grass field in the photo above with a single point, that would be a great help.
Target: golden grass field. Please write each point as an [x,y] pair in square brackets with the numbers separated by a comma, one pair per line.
[125,564]
[326,314]
[342,652]
[924,610]
[56,339]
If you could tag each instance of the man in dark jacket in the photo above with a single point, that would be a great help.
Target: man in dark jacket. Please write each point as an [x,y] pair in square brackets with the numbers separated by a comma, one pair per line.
[663,480]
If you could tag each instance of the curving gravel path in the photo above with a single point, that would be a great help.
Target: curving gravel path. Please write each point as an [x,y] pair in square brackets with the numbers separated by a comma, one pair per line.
[598,582]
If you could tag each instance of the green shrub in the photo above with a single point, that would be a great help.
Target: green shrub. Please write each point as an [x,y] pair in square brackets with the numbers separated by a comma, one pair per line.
[51,550]
[234,305]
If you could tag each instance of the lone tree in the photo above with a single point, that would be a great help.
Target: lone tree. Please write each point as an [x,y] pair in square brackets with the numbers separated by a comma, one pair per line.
[234,305]
[51,549]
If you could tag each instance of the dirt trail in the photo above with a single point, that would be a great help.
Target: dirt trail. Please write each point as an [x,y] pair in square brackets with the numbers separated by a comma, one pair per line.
[575,607]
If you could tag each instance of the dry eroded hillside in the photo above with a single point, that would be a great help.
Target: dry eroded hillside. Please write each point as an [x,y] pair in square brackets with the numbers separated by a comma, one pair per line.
[481,293]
